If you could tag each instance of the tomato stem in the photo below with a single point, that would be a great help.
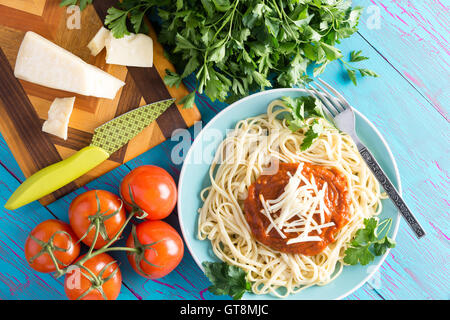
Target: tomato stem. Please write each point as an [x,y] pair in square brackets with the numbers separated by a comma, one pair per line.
[135,208]
[133,250]
[106,247]
[49,247]
[97,232]
[58,271]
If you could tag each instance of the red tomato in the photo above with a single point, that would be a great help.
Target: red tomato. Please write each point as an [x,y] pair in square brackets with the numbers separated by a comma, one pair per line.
[153,191]
[84,210]
[63,238]
[108,279]
[162,256]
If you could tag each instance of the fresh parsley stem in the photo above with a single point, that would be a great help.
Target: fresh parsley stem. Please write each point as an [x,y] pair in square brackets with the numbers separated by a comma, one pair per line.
[347,65]
[278,10]
[386,223]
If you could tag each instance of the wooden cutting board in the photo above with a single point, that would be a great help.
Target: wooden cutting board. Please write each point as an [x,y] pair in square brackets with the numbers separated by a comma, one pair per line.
[24,106]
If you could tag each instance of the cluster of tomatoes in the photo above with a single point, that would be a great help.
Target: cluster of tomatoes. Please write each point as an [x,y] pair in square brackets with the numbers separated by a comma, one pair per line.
[97,219]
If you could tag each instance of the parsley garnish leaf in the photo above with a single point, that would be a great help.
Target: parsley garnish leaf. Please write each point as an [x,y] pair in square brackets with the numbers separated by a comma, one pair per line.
[136,19]
[301,109]
[226,279]
[380,247]
[359,254]
[313,132]
[367,244]
[367,72]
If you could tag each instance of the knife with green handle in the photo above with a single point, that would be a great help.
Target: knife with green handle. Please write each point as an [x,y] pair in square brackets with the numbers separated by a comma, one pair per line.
[107,139]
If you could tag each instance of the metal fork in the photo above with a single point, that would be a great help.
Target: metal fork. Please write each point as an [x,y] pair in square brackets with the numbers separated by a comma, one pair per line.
[340,111]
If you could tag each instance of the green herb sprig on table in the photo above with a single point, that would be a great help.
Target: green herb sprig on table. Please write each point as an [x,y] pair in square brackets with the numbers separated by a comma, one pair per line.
[226,279]
[240,46]
[355,56]
[368,242]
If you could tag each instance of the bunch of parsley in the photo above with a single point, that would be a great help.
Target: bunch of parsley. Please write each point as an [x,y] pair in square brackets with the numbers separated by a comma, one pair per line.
[236,46]
[240,46]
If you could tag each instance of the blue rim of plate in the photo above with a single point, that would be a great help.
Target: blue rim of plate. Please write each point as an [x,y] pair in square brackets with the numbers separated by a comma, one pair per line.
[397,182]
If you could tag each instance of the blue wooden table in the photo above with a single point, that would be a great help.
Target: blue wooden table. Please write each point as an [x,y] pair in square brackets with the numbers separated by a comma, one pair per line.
[408,45]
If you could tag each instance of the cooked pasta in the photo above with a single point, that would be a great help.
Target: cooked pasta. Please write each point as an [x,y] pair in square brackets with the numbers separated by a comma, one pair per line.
[254,146]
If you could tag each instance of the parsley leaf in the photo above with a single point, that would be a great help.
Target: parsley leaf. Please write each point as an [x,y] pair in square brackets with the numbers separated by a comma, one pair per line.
[136,19]
[367,72]
[355,56]
[83,3]
[331,52]
[116,21]
[367,244]
[188,100]
[313,132]
[172,79]
[359,254]
[226,279]
[380,247]
[367,234]
[352,75]
[301,109]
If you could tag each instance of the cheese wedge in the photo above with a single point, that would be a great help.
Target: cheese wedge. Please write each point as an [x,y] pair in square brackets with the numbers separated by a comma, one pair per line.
[42,62]
[58,117]
[134,50]
[98,42]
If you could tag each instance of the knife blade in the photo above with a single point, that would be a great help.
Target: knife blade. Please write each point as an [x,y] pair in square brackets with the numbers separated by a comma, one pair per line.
[107,139]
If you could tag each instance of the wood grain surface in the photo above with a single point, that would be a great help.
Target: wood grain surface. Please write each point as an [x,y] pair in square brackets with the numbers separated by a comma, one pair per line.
[408,104]
[24,110]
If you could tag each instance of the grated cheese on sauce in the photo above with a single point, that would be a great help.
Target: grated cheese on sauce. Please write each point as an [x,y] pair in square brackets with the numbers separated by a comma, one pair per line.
[297,206]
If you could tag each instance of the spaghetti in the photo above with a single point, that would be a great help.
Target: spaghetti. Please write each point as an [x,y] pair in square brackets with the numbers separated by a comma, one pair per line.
[256,148]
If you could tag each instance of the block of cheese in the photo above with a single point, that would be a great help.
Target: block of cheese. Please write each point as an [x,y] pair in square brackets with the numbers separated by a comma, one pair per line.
[98,42]
[58,117]
[134,50]
[42,62]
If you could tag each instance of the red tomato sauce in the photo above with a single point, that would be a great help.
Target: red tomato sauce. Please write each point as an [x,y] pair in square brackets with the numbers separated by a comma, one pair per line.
[337,200]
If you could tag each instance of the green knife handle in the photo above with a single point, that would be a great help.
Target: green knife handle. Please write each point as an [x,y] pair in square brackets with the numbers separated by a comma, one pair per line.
[56,176]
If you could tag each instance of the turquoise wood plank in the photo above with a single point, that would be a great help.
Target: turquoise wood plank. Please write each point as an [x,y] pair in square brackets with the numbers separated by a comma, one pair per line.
[8,161]
[175,286]
[416,132]
[17,280]
[418,137]
[182,278]
[414,37]
[161,156]
[186,282]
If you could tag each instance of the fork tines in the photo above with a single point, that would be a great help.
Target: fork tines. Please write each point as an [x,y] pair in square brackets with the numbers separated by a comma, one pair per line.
[334,103]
